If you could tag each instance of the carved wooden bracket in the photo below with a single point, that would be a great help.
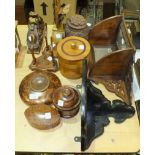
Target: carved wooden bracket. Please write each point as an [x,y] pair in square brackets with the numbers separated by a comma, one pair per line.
[114,69]
[117,87]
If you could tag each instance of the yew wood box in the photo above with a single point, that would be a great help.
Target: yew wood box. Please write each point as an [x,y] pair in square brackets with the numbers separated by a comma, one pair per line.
[71,51]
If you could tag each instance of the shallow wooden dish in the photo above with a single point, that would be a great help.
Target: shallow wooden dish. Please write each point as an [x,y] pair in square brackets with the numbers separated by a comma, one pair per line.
[37,87]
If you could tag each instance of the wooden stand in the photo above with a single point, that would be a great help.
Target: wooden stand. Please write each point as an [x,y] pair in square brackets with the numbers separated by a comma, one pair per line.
[20,54]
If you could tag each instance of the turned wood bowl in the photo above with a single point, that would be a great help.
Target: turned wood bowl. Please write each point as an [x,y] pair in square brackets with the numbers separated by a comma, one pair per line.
[67,100]
[42,116]
[38,87]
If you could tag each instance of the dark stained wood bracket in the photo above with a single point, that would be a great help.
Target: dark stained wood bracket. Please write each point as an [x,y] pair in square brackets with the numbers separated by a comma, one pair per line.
[96,110]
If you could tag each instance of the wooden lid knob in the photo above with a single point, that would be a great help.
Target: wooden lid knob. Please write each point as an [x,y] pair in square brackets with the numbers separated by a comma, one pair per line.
[73,45]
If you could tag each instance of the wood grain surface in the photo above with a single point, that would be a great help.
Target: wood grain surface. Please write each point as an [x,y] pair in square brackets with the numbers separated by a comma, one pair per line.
[119,138]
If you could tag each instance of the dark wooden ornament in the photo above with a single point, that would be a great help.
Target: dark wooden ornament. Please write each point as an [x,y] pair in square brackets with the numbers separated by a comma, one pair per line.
[36,28]
[38,87]
[46,62]
[42,116]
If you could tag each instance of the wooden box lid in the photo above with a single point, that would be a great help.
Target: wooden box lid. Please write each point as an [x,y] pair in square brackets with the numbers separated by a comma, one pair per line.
[73,48]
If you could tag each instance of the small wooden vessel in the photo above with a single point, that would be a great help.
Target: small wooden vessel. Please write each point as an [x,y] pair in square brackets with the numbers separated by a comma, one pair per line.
[77,26]
[71,51]
[42,116]
[67,100]
[38,87]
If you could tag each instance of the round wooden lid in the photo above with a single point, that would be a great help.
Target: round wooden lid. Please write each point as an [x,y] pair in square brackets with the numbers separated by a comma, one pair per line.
[73,48]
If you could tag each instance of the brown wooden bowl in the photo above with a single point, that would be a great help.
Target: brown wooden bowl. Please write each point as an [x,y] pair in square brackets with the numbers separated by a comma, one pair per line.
[67,100]
[42,116]
[38,87]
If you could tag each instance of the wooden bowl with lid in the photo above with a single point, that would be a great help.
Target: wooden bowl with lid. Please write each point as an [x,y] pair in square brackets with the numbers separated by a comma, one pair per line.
[38,87]
[67,100]
[71,51]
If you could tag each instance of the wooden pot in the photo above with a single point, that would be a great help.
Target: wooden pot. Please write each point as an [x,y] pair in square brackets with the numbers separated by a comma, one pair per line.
[67,100]
[71,51]
[77,26]
[37,87]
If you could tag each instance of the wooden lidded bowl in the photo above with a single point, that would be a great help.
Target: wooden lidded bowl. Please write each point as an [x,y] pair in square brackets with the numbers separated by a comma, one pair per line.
[42,116]
[67,100]
[38,87]
[71,51]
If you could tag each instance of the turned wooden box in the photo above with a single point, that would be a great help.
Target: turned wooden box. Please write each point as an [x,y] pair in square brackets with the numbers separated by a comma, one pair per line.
[71,51]
[67,101]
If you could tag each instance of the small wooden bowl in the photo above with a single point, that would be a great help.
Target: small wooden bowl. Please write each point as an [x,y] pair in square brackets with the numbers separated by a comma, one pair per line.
[38,87]
[67,100]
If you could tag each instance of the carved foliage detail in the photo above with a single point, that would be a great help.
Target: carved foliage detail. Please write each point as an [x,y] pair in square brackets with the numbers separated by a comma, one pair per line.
[117,87]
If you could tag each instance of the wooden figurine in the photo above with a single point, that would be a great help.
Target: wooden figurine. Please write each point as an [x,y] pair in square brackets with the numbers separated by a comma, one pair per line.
[58,32]
[60,12]
[46,62]
[37,28]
